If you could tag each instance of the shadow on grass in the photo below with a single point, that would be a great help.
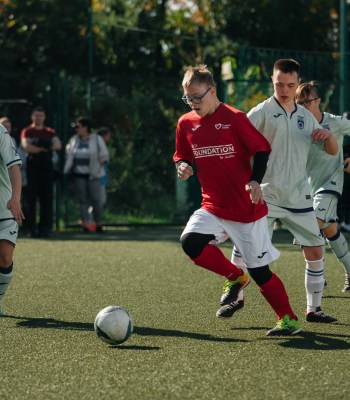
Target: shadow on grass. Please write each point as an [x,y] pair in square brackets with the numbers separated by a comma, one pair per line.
[145,331]
[314,341]
[51,323]
[336,297]
[133,347]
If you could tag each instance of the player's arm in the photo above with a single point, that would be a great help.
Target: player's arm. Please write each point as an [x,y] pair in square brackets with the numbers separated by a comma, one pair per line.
[330,143]
[14,204]
[259,168]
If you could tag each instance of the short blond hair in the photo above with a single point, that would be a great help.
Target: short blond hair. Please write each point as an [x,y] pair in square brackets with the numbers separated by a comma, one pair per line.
[199,74]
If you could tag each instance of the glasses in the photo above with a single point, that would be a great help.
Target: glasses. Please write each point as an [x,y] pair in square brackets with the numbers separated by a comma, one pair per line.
[77,126]
[194,100]
[307,102]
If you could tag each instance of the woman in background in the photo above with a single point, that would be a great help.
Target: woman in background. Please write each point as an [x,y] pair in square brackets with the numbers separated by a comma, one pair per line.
[86,154]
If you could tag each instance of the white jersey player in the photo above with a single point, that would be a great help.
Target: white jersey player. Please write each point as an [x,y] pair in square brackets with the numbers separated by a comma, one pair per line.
[10,208]
[292,132]
[326,175]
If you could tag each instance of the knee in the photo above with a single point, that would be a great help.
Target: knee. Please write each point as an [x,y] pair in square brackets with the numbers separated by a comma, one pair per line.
[194,243]
[260,275]
[5,260]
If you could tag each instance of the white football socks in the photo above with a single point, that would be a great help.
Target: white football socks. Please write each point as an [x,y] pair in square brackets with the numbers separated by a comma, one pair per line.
[314,283]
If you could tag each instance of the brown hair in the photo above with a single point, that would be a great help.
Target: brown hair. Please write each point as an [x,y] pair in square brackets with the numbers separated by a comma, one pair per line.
[305,89]
[287,66]
[200,75]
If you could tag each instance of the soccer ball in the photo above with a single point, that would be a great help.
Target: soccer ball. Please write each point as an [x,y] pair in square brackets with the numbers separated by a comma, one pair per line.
[113,325]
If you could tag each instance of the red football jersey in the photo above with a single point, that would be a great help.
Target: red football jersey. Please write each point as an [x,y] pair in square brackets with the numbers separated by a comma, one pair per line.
[222,146]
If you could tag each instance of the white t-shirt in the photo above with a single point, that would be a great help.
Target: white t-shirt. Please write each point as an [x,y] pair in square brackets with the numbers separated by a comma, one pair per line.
[285,182]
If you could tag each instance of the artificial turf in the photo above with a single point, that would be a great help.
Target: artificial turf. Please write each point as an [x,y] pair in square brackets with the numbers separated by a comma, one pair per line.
[179,349]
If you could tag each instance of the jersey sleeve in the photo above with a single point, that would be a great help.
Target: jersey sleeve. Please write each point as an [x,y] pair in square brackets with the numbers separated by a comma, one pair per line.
[344,126]
[256,117]
[8,152]
[252,138]
[183,149]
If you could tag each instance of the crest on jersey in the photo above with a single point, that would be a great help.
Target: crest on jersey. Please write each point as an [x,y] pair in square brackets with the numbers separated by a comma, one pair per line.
[300,122]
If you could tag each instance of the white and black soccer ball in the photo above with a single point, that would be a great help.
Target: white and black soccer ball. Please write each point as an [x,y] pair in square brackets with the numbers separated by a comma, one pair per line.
[113,325]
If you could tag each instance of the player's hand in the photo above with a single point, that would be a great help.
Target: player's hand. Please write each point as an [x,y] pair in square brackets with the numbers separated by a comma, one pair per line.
[255,192]
[347,165]
[184,171]
[15,207]
[320,134]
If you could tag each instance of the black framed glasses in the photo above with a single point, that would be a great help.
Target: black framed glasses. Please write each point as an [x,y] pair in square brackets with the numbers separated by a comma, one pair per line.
[307,102]
[195,99]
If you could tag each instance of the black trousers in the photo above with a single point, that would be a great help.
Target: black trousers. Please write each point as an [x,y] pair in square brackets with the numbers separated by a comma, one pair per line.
[39,188]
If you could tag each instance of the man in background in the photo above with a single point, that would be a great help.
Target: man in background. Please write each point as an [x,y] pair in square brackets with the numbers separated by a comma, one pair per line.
[39,141]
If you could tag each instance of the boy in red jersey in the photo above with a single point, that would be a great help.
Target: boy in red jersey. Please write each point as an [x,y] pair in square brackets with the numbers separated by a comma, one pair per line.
[223,143]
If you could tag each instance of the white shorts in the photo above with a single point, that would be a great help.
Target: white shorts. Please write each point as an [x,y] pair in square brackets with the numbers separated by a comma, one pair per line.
[251,239]
[9,230]
[325,206]
[303,226]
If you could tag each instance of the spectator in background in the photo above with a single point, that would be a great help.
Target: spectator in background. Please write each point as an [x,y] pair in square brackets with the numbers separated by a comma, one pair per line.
[105,133]
[6,122]
[344,201]
[86,154]
[39,141]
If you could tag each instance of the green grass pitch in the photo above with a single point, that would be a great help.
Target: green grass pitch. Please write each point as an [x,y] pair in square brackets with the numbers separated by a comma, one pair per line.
[179,349]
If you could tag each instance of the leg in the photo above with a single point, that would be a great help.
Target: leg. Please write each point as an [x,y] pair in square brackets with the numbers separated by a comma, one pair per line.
[45,200]
[272,288]
[339,246]
[95,193]
[209,256]
[6,255]
[81,186]
[228,310]
[32,191]
[256,249]
[199,239]
[314,283]
[307,235]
